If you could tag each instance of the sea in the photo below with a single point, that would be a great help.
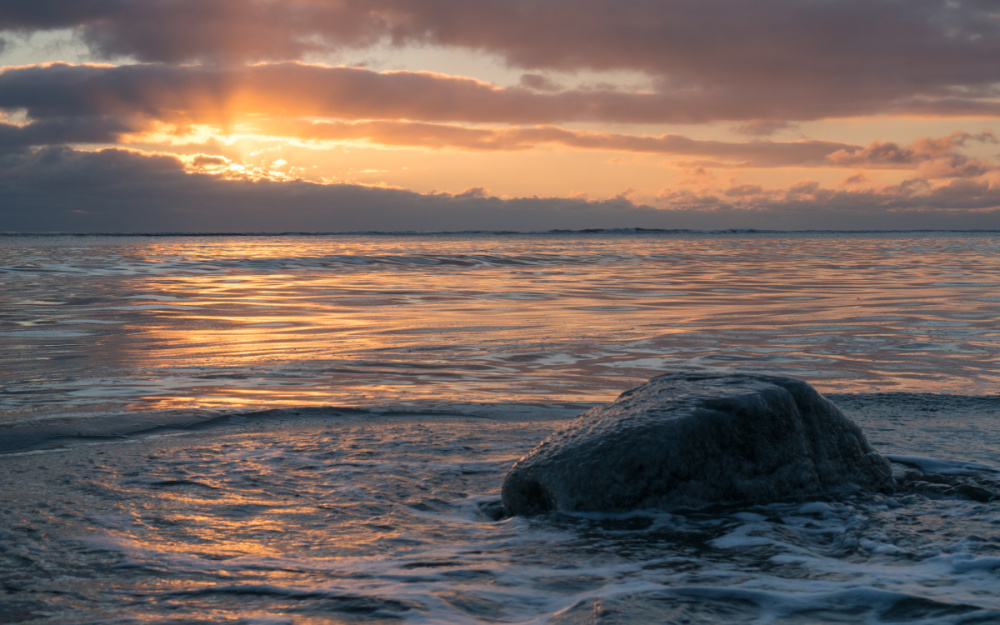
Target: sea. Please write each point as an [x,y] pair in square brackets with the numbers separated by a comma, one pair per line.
[314,429]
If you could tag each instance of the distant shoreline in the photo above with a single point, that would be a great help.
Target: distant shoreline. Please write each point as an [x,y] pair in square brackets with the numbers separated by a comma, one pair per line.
[404,233]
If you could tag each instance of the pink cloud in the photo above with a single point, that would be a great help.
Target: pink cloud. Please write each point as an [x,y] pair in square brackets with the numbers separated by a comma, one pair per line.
[856,179]
[933,157]
[908,197]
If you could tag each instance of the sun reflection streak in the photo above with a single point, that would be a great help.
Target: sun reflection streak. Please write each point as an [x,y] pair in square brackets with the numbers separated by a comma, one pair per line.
[251,323]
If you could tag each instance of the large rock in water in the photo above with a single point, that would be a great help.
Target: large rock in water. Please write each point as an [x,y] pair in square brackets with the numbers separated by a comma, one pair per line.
[691,440]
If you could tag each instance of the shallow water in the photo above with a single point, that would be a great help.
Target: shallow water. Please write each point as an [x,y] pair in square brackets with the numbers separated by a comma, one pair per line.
[329,517]
[169,453]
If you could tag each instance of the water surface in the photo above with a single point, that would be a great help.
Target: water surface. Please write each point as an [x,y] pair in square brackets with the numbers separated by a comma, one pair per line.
[109,324]
[314,429]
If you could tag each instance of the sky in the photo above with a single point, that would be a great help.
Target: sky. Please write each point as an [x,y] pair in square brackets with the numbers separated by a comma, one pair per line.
[431,115]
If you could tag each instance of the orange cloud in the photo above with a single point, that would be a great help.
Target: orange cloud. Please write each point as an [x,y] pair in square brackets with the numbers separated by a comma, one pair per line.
[106,104]
[221,95]
[890,154]
[931,157]
[418,134]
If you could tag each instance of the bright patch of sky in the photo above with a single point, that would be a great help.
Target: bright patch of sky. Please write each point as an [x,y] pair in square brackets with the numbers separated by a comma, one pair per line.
[484,67]
[44,47]
[65,45]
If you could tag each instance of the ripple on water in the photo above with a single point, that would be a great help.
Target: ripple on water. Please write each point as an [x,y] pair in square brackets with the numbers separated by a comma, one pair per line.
[356,515]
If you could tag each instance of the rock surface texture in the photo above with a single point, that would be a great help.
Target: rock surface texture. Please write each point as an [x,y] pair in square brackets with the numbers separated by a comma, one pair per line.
[692,440]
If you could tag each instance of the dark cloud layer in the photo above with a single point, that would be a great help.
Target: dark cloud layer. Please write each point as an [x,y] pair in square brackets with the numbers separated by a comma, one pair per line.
[213,94]
[769,59]
[98,191]
[76,129]
[138,95]
[192,94]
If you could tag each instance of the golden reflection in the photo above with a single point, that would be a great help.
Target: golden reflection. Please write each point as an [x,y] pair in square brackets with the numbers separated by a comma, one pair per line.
[270,322]
[233,518]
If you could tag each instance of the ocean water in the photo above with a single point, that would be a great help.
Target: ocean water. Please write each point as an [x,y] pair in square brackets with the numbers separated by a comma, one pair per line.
[314,429]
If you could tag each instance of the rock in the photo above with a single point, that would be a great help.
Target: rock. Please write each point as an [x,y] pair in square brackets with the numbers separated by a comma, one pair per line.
[691,440]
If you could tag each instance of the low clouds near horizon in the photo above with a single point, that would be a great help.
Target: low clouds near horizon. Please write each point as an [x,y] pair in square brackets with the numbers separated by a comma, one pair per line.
[272,115]
[60,186]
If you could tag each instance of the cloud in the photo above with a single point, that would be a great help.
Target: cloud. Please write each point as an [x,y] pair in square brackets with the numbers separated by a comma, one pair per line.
[215,94]
[191,30]
[762,127]
[933,157]
[115,190]
[79,129]
[943,146]
[205,161]
[911,204]
[80,104]
[711,59]
[923,149]
[99,104]
[856,179]
[74,104]
[876,153]
[755,153]
[193,69]
[538,83]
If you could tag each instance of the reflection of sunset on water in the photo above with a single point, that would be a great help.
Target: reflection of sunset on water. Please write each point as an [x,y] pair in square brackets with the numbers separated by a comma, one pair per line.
[258,322]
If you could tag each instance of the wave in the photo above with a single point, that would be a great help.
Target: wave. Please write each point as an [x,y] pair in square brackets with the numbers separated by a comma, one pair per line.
[915,418]
[332,261]
[326,511]
[65,431]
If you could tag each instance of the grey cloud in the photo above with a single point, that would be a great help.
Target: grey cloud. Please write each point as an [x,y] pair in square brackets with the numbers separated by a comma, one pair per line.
[187,30]
[910,205]
[762,127]
[121,191]
[97,104]
[203,160]
[770,59]
[213,94]
[538,83]
[62,130]
[210,93]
